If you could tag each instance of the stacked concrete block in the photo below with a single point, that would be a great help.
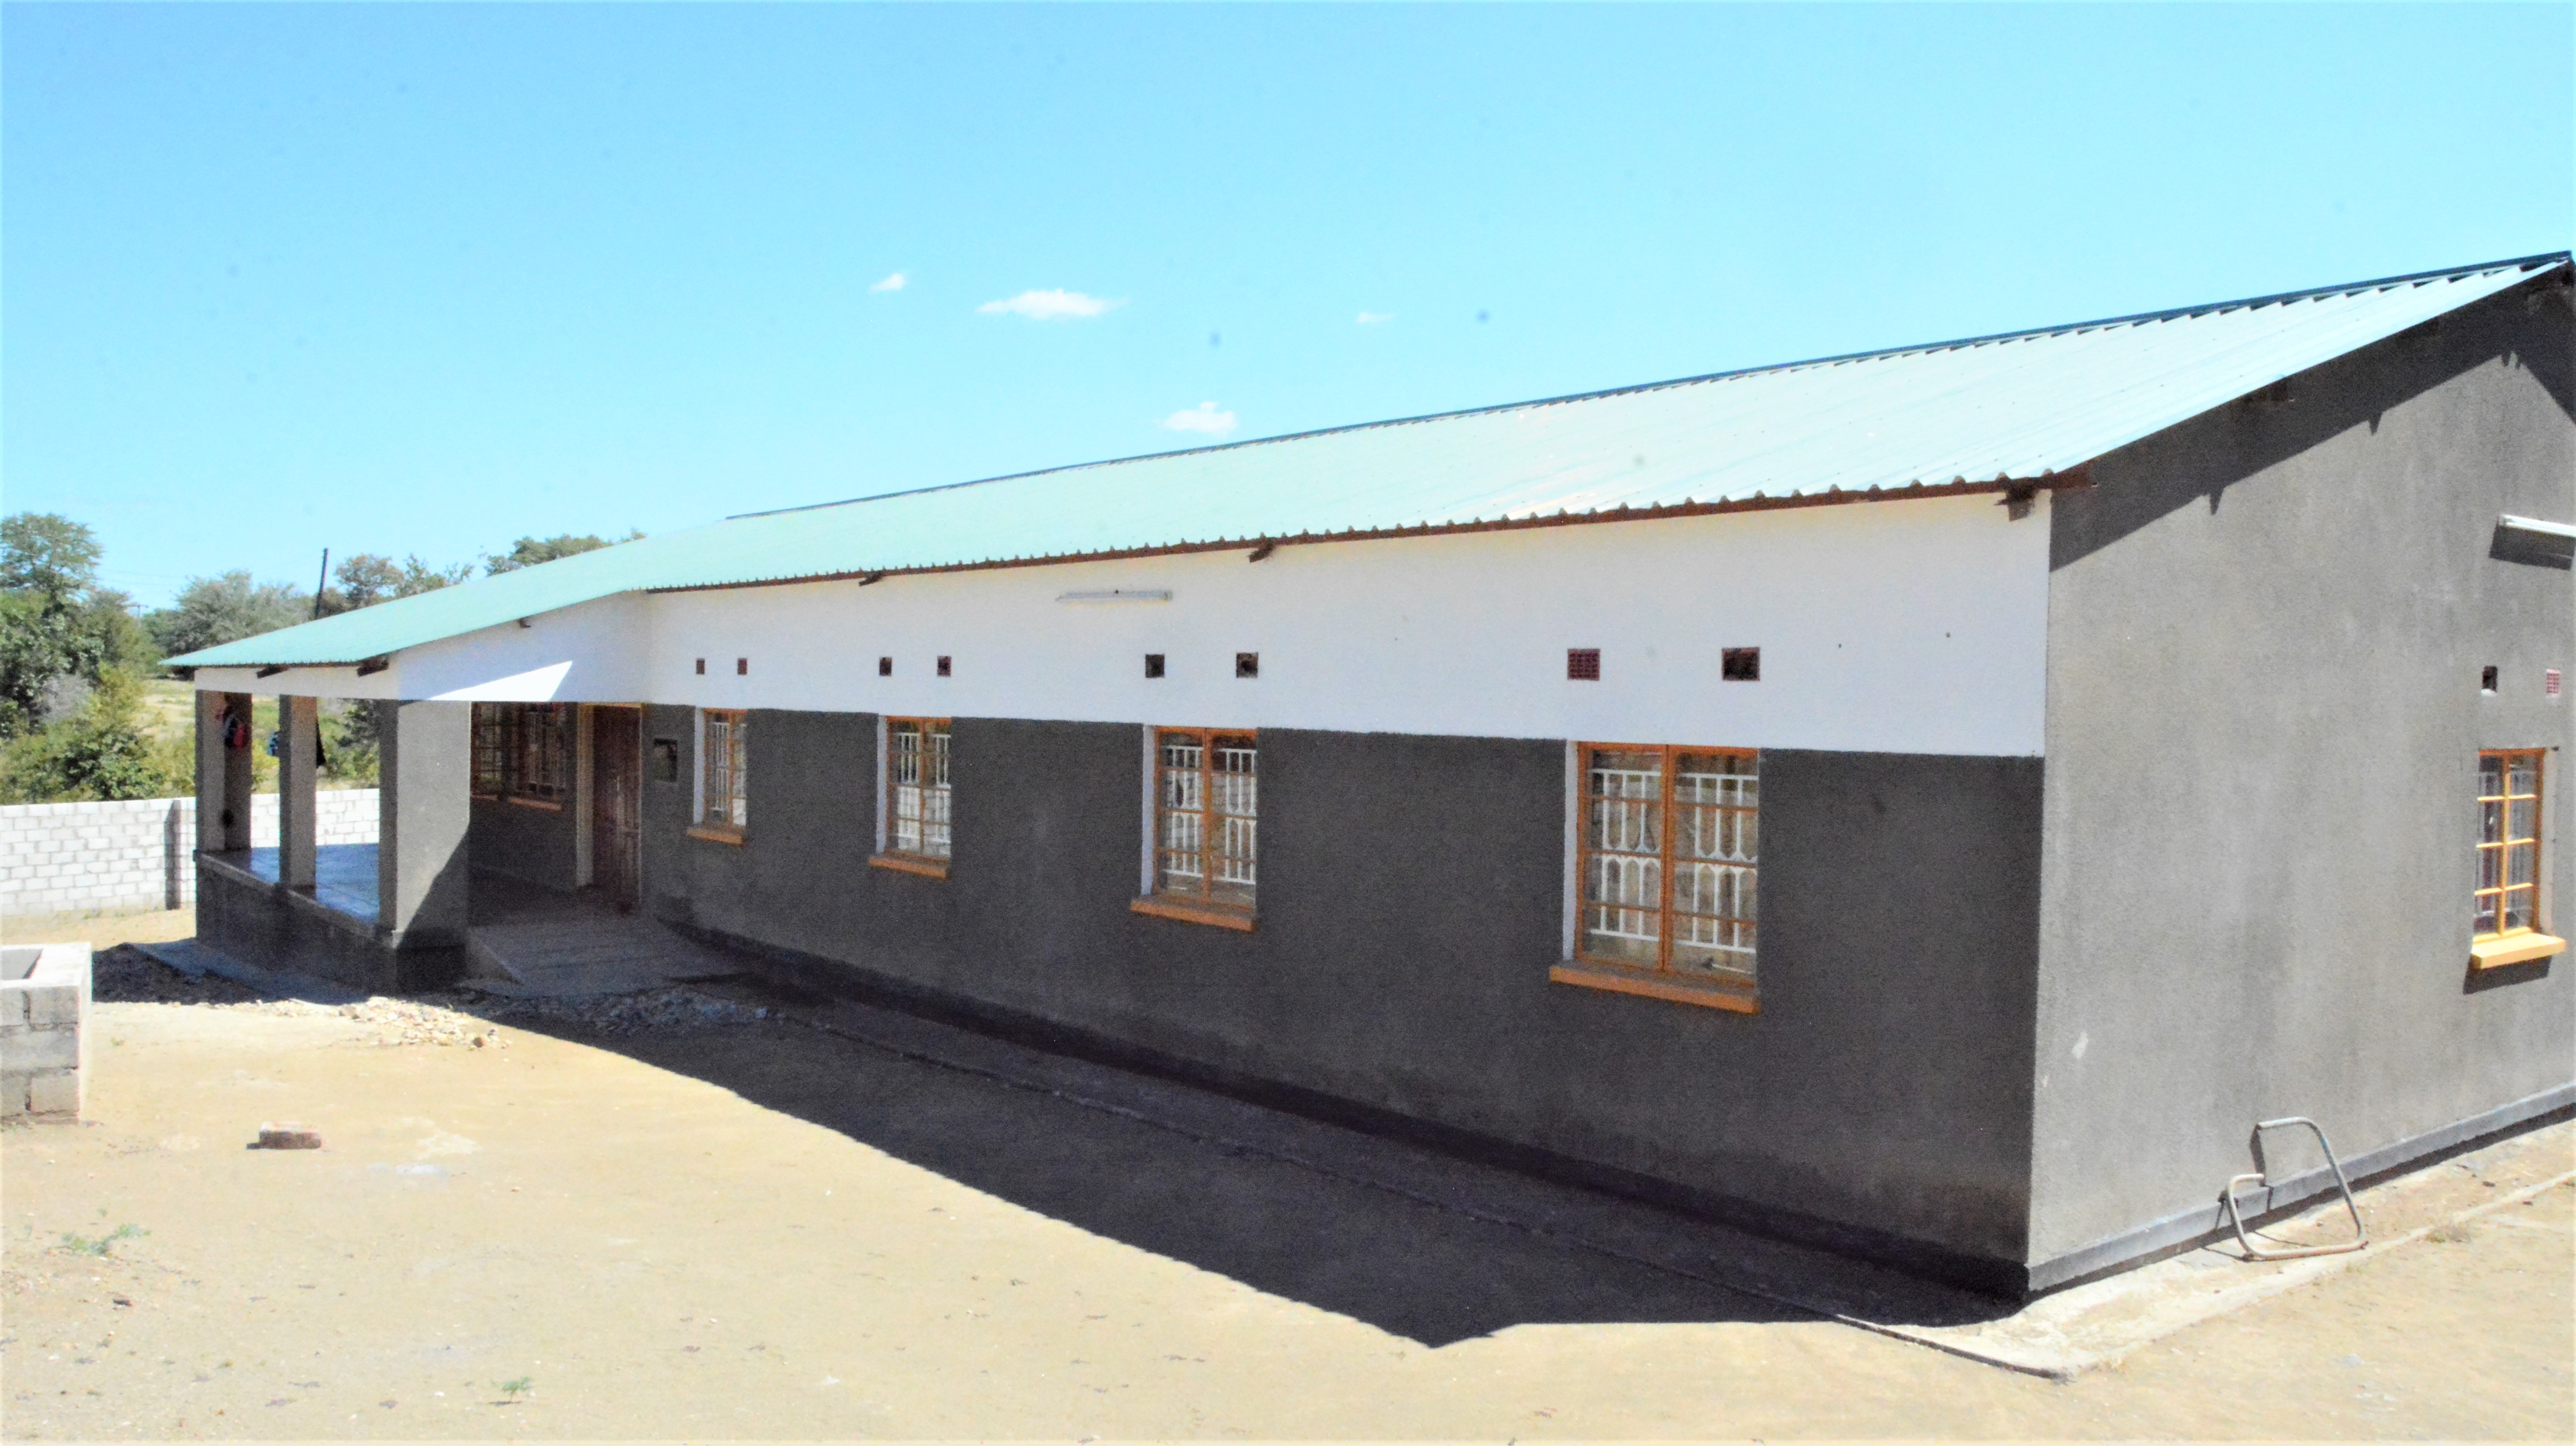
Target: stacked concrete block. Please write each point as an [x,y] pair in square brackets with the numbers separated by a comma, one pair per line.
[61,858]
[44,1030]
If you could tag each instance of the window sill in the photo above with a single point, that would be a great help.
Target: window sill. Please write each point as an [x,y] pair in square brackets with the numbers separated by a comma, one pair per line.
[1674,988]
[717,833]
[547,804]
[2519,948]
[1217,915]
[910,864]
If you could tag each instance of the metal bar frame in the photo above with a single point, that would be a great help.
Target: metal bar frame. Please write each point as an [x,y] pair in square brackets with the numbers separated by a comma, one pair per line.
[1668,756]
[1211,831]
[886,784]
[715,808]
[2235,1217]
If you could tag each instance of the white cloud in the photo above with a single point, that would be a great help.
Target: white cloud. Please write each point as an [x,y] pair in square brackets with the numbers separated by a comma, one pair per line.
[1202,418]
[1049,305]
[891,283]
[1372,318]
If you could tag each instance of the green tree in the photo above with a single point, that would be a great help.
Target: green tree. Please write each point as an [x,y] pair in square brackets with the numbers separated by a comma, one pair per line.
[47,552]
[369,578]
[56,622]
[213,610]
[349,740]
[529,551]
[366,579]
[103,752]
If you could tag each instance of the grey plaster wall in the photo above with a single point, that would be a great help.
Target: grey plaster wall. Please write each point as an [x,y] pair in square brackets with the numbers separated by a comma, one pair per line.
[2265,634]
[524,842]
[422,885]
[264,923]
[1410,907]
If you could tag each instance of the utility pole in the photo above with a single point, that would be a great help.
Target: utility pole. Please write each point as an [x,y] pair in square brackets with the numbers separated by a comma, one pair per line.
[321,582]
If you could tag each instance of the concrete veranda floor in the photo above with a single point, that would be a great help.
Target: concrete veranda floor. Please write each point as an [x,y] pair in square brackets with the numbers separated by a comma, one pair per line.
[767,1230]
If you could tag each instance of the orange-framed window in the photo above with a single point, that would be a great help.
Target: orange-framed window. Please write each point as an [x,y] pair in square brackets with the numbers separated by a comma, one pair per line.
[1206,816]
[491,750]
[2507,898]
[722,759]
[916,787]
[1669,848]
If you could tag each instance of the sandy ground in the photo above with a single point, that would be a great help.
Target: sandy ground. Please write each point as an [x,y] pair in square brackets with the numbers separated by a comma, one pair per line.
[99,931]
[750,1228]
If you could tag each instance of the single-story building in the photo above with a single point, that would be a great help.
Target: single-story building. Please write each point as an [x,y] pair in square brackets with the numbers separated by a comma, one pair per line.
[1933,802]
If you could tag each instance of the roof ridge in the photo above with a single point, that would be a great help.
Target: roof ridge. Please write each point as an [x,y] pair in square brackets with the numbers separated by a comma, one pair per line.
[2532,262]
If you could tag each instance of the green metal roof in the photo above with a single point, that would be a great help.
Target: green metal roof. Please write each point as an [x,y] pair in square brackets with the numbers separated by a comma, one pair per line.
[2023,406]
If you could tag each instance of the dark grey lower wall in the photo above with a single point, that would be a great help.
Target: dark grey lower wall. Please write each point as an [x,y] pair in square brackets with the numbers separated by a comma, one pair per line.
[522,841]
[262,923]
[1411,904]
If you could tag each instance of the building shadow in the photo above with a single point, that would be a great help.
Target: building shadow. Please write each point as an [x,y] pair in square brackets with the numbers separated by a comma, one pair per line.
[1436,1257]
[1423,1246]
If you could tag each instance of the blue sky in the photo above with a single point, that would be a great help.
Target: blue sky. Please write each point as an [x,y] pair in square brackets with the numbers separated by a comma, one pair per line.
[424,279]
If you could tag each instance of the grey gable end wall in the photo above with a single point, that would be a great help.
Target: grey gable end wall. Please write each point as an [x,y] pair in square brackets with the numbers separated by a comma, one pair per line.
[2265,633]
[1410,907]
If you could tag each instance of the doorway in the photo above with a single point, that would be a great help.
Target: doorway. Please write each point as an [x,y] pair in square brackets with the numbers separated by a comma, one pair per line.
[617,804]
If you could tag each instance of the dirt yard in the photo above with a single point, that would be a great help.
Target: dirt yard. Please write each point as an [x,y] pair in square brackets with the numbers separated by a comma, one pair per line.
[713,1223]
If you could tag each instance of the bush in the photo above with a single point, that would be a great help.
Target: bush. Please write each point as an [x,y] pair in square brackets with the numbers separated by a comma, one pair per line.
[349,741]
[100,753]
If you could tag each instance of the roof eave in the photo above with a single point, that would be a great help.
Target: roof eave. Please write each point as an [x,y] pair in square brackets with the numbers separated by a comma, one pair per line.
[2074,478]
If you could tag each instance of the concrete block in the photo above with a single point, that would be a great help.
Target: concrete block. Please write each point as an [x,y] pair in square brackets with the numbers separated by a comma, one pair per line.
[41,1049]
[53,1004]
[57,1093]
[13,1008]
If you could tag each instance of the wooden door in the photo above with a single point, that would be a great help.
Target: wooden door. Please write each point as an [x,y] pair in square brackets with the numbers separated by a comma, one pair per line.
[617,803]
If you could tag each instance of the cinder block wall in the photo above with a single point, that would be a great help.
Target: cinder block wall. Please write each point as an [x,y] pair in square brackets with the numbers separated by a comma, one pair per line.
[61,858]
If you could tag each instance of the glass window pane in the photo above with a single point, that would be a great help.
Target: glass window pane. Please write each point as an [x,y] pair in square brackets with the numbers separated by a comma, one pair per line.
[1621,899]
[934,823]
[1669,884]
[2522,864]
[2508,895]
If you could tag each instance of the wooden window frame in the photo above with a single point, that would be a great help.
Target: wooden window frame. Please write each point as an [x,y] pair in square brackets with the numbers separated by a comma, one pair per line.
[2509,943]
[716,820]
[1202,905]
[548,741]
[490,741]
[1662,980]
[502,736]
[891,856]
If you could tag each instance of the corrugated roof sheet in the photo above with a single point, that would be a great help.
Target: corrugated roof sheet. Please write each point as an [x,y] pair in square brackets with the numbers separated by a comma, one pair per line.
[2022,406]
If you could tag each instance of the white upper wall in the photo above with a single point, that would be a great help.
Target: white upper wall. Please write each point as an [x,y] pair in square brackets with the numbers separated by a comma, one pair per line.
[1914,627]
[593,652]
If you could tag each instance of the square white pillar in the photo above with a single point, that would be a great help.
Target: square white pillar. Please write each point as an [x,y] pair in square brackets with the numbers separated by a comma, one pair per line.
[299,754]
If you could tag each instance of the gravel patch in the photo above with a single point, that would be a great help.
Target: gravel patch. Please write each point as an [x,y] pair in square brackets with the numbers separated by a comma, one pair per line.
[127,975]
